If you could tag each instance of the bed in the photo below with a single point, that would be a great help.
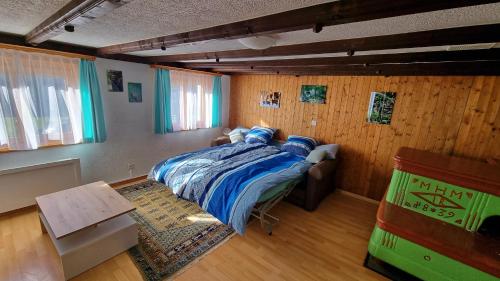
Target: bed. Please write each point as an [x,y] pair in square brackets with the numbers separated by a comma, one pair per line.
[234,181]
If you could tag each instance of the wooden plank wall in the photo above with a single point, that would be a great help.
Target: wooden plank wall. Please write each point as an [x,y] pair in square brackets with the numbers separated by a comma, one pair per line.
[446,114]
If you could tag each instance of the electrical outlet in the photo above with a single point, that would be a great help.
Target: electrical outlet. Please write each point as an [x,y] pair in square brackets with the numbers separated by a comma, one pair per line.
[313,122]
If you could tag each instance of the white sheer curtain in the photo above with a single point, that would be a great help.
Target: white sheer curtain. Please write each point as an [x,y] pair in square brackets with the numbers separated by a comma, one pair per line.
[191,100]
[40,101]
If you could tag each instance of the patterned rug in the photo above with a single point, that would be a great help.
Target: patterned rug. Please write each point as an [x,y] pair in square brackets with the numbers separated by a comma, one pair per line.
[172,232]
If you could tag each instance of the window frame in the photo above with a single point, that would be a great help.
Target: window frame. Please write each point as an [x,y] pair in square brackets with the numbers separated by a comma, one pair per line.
[47,143]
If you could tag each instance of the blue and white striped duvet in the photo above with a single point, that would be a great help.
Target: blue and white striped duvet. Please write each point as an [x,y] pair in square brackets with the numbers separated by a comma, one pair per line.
[227,180]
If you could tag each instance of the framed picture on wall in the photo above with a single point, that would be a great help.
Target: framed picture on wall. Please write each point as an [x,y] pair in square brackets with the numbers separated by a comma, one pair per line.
[270,99]
[115,81]
[381,107]
[134,92]
[313,94]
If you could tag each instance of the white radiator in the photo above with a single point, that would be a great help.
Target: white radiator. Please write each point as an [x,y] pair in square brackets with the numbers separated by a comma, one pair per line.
[20,186]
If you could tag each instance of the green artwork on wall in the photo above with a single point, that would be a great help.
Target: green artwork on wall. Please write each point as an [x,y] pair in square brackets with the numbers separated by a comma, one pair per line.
[381,107]
[313,94]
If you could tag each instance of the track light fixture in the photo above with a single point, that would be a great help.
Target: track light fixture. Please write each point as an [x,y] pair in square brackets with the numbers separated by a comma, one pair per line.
[350,53]
[163,47]
[318,27]
[69,28]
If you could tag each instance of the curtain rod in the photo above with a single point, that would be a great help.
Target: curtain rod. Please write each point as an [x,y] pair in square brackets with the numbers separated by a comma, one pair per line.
[185,69]
[45,51]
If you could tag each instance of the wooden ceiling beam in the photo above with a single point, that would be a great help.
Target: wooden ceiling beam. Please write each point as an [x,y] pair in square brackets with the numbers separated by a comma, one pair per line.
[417,69]
[439,37]
[334,13]
[74,13]
[437,56]
[12,39]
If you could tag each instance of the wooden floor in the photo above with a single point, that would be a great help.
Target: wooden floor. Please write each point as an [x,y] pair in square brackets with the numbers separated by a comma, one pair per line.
[328,244]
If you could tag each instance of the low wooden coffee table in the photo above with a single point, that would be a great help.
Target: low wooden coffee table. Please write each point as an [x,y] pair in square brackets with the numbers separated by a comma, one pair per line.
[88,224]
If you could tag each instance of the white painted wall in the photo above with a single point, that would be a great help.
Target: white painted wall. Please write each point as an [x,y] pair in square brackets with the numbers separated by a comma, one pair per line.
[130,132]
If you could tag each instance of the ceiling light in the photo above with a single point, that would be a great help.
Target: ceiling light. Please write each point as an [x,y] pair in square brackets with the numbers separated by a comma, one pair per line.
[163,48]
[258,42]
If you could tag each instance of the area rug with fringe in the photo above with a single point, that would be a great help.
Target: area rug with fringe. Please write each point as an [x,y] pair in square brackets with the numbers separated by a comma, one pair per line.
[172,232]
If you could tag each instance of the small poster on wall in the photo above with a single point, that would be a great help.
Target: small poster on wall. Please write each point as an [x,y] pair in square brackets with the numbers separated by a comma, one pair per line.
[381,107]
[270,99]
[115,81]
[134,92]
[313,94]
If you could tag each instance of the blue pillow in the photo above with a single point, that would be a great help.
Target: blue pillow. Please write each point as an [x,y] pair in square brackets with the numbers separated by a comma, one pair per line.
[259,135]
[299,145]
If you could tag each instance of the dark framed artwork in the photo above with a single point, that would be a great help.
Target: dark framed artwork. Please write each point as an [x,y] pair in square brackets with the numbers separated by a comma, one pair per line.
[381,107]
[313,94]
[134,92]
[115,81]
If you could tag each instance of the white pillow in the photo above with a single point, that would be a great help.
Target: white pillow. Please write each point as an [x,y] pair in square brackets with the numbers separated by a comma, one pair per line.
[239,129]
[331,150]
[236,137]
[316,156]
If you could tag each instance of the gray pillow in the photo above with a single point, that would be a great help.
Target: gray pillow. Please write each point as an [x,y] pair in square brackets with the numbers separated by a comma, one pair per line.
[316,156]
[331,150]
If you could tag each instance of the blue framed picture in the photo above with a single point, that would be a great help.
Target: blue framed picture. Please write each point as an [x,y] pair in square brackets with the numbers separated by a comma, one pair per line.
[134,92]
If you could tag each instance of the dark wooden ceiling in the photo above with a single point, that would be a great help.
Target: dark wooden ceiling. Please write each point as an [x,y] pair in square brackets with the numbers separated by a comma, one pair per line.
[468,62]
[318,16]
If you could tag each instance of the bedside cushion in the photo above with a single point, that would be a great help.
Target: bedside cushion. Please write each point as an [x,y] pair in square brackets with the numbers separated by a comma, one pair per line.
[299,145]
[316,156]
[331,150]
[260,135]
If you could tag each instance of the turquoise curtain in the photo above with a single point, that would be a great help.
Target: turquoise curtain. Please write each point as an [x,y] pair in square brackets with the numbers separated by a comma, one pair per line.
[94,129]
[163,116]
[217,102]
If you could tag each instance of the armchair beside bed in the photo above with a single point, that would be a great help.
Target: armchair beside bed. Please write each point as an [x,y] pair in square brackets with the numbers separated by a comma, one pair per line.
[318,183]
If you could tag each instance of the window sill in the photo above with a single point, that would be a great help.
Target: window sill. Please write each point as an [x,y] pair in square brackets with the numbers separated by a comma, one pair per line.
[54,145]
[192,130]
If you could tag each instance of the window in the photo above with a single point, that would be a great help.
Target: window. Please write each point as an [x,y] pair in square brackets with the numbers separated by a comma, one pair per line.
[186,100]
[40,102]
[190,100]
